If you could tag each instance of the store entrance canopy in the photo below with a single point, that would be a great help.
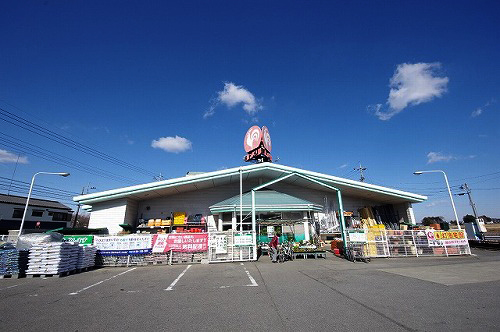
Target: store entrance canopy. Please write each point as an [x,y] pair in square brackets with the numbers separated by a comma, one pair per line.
[265,201]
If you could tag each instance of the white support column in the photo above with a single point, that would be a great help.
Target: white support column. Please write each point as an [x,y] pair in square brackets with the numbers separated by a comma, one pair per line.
[220,222]
[411,215]
[254,230]
[307,234]
[233,221]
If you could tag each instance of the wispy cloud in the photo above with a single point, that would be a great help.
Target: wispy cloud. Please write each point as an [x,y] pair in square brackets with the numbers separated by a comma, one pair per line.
[434,157]
[411,84]
[233,95]
[172,144]
[343,166]
[438,202]
[478,111]
[9,157]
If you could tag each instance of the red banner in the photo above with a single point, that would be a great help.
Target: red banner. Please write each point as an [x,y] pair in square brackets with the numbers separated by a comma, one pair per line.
[180,242]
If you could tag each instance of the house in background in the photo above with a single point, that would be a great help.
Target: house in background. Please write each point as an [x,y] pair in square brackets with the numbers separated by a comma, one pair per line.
[50,214]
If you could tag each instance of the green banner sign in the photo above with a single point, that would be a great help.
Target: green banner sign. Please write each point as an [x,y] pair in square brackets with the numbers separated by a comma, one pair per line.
[81,239]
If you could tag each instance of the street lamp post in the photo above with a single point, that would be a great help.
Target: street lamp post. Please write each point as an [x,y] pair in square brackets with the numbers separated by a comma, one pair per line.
[449,191]
[29,196]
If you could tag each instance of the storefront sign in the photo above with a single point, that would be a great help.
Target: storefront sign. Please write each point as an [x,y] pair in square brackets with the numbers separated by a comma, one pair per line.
[270,231]
[219,242]
[123,245]
[187,242]
[446,238]
[243,239]
[357,235]
[85,240]
[160,244]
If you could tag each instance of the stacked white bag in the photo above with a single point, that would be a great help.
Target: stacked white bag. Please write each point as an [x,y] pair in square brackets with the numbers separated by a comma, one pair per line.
[89,258]
[52,258]
[86,256]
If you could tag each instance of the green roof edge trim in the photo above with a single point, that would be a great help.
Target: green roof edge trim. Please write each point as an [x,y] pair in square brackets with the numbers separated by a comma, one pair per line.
[330,179]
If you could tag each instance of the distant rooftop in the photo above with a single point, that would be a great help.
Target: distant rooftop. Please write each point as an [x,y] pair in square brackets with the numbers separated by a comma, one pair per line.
[19,200]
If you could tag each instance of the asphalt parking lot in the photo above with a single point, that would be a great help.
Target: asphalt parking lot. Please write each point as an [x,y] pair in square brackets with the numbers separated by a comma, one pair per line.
[413,294]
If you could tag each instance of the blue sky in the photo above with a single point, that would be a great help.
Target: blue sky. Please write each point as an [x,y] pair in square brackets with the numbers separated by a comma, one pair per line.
[171,87]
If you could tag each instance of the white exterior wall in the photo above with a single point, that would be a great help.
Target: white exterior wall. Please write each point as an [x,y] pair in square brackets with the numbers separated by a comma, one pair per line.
[108,215]
[111,214]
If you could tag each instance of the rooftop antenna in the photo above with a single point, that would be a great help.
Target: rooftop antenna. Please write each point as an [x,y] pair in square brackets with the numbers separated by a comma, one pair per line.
[361,169]
[158,178]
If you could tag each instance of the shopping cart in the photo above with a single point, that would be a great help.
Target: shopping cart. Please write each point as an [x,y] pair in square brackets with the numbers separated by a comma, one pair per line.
[357,251]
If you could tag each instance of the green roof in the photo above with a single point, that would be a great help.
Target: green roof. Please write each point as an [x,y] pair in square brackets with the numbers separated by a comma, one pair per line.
[265,201]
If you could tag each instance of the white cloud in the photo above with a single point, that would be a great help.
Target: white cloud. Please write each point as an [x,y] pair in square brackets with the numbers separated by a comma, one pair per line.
[476,113]
[9,157]
[412,84]
[233,95]
[343,166]
[434,157]
[172,144]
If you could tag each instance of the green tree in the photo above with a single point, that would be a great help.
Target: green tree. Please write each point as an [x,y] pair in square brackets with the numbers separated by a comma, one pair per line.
[468,218]
[426,221]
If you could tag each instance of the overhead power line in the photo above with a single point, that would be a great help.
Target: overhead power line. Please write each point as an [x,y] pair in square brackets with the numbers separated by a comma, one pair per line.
[53,136]
[23,183]
[31,149]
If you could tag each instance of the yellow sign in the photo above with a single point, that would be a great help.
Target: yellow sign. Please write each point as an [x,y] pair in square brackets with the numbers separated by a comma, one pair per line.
[449,235]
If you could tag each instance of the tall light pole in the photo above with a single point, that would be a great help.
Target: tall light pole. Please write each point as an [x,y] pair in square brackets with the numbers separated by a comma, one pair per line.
[29,195]
[449,191]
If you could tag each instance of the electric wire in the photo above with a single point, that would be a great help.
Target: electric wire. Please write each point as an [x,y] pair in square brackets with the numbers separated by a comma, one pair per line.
[31,149]
[53,136]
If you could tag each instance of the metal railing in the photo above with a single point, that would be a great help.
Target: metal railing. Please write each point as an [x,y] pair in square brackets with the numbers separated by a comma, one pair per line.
[380,242]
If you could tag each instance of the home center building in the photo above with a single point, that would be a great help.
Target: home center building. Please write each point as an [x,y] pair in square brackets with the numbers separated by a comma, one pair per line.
[246,198]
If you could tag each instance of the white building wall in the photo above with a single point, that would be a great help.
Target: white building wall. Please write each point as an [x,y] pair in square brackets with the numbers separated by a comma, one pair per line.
[111,214]
[108,215]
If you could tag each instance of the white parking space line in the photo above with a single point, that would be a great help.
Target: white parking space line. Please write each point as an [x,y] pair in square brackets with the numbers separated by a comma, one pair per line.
[8,287]
[253,283]
[169,288]
[100,282]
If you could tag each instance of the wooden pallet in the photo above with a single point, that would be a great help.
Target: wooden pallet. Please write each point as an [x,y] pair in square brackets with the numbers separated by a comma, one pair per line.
[57,275]
[11,276]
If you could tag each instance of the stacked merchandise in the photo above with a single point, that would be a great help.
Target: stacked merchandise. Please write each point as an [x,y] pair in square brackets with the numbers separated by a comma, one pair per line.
[89,253]
[179,218]
[52,258]
[9,260]
[23,261]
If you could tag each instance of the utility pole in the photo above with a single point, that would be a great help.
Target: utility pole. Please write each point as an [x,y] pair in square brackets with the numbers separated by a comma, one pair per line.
[361,169]
[87,188]
[468,191]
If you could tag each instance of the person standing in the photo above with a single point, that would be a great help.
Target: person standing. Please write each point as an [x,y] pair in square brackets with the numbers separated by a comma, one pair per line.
[273,246]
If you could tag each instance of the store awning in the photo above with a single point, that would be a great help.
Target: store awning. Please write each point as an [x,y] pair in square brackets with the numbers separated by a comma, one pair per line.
[265,201]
